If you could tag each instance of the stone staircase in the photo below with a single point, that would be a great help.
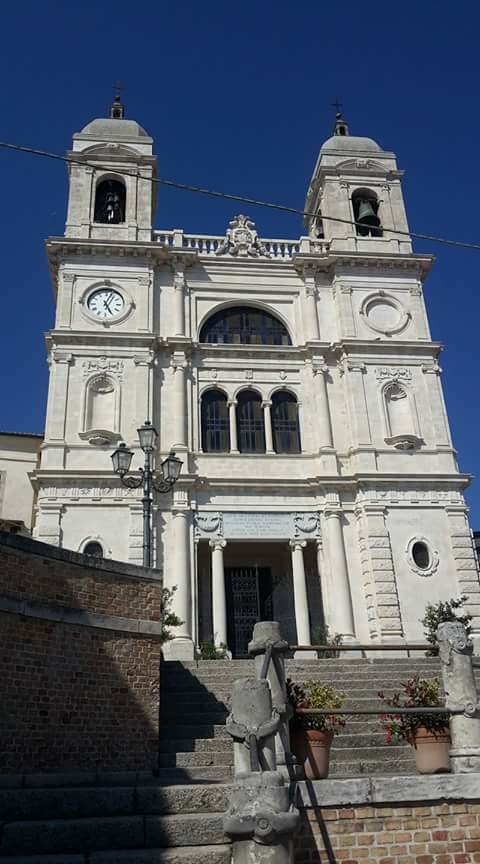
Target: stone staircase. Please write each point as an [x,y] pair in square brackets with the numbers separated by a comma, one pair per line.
[175,817]
[195,746]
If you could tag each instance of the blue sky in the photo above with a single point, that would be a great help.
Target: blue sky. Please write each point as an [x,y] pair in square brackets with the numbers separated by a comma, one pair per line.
[238,98]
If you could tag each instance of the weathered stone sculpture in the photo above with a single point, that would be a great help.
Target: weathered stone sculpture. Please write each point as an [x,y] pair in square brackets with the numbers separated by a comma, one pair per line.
[260,818]
[460,692]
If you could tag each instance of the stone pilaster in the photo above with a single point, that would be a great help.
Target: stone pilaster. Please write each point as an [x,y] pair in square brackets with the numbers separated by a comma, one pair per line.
[378,574]
[466,564]
[345,317]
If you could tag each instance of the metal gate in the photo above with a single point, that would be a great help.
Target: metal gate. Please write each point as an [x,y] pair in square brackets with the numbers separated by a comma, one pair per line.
[249,599]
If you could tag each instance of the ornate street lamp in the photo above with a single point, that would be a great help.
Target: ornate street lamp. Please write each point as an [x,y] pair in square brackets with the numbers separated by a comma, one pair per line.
[162,481]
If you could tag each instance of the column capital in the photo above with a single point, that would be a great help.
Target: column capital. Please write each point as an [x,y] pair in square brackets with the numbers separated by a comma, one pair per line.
[333,513]
[267,403]
[232,403]
[217,543]
[297,544]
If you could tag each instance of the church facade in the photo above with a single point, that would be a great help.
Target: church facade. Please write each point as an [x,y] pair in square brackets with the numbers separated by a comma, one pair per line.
[296,379]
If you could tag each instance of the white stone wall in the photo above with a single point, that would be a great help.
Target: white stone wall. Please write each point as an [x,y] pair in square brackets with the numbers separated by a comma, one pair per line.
[18,457]
[377,466]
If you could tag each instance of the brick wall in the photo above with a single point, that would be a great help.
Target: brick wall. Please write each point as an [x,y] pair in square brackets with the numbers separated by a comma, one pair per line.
[436,833]
[82,692]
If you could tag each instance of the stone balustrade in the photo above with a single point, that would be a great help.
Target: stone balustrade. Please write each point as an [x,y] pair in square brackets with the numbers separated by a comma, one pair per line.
[209,244]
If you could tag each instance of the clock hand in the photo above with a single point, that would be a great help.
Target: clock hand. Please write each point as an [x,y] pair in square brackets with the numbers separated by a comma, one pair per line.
[107,306]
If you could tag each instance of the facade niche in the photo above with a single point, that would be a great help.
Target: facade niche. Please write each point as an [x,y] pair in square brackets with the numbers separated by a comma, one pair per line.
[365,213]
[110,200]
[400,414]
[101,411]
[215,422]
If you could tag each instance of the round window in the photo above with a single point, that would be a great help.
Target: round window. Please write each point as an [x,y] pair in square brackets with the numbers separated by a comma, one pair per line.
[421,555]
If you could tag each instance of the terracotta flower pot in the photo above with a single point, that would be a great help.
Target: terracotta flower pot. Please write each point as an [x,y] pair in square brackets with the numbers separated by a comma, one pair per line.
[431,751]
[312,749]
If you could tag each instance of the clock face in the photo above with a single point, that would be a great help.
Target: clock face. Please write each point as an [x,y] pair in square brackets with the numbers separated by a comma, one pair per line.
[105,303]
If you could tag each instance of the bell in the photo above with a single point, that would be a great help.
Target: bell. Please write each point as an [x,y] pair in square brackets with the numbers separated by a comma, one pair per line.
[366,217]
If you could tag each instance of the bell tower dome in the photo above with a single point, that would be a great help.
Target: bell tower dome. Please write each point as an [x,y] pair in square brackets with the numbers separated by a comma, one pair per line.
[111,195]
[358,184]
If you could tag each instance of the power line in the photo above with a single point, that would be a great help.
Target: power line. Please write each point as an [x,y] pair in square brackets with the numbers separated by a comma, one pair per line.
[188,187]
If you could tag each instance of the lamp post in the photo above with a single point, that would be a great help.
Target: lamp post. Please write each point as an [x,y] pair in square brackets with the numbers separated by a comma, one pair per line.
[162,481]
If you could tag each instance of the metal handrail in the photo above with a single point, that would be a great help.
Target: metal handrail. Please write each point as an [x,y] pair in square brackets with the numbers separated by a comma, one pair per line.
[376,711]
[375,646]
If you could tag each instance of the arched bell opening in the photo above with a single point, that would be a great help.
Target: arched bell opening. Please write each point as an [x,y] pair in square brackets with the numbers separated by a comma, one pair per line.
[110,200]
[365,213]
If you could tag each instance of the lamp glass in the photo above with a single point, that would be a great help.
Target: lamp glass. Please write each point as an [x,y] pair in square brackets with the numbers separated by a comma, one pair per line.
[171,467]
[147,435]
[122,458]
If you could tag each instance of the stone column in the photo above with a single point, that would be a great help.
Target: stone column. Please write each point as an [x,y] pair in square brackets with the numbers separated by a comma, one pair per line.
[181,647]
[300,598]
[437,404]
[342,610]
[358,410]
[232,416]
[310,315]
[179,301]
[460,692]
[219,597]
[324,420]
[324,587]
[48,525]
[267,422]
[179,367]
[60,362]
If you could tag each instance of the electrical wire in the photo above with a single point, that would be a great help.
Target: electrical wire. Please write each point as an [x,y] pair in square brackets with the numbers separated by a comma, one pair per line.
[188,187]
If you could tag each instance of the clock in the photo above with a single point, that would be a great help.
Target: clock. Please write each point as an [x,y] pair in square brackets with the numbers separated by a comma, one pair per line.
[105,303]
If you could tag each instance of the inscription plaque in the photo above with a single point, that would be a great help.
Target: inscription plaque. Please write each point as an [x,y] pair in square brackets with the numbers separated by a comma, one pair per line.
[273,526]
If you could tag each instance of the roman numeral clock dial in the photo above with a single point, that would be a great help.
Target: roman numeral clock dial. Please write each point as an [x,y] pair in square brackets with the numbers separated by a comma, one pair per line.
[105,303]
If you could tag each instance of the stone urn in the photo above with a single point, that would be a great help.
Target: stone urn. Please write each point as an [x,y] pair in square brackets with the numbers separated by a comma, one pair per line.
[431,750]
[312,749]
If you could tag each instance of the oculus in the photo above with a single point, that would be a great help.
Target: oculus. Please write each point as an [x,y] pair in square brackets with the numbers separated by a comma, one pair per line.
[384,314]
[422,558]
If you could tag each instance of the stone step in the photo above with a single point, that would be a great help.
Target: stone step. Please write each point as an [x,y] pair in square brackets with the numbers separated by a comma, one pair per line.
[206,774]
[345,738]
[98,834]
[195,730]
[228,674]
[218,699]
[220,854]
[189,759]
[84,802]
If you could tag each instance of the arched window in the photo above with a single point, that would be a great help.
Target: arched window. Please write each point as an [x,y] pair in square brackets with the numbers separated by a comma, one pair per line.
[110,202]
[250,423]
[244,325]
[93,548]
[286,432]
[365,213]
[215,422]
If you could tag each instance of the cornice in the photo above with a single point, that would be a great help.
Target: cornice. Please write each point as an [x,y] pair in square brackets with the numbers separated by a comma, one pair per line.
[400,349]
[101,339]
[58,248]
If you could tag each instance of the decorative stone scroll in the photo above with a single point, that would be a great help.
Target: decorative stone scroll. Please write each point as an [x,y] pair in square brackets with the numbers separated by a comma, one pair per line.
[242,240]
[393,373]
[103,364]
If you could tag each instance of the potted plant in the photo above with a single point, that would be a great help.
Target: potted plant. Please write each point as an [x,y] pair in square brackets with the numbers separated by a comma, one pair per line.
[428,733]
[312,734]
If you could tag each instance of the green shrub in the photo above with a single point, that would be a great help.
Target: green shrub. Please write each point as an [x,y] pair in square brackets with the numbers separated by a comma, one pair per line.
[437,613]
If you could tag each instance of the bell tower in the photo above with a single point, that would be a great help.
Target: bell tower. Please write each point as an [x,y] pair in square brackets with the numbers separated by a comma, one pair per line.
[358,184]
[111,195]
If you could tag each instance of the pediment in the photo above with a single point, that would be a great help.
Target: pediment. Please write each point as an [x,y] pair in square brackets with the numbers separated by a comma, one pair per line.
[364,165]
[110,149]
